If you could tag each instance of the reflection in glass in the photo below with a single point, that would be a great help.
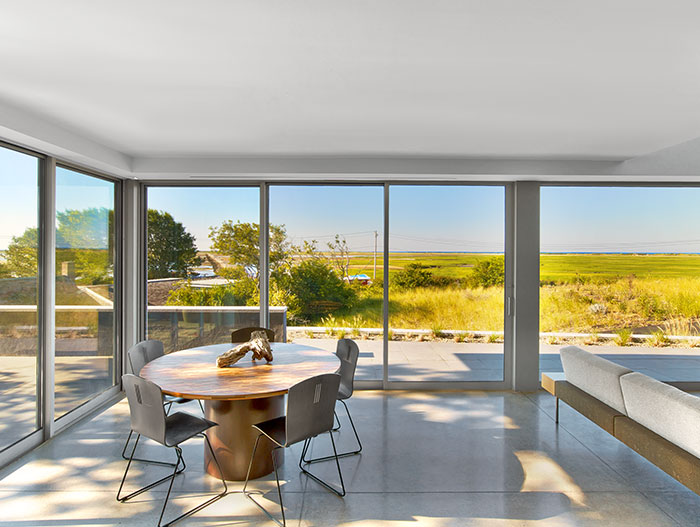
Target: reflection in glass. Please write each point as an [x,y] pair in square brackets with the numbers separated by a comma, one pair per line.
[326,267]
[19,335]
[85,331]
[203,254]
[446,283]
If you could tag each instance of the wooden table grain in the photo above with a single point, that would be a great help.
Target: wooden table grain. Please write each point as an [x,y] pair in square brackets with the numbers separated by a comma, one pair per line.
[239,396]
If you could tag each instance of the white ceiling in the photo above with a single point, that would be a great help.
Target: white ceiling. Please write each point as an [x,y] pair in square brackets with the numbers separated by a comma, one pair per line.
[547,79]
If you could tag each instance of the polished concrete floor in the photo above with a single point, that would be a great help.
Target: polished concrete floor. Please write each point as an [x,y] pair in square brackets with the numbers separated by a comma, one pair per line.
[432,459]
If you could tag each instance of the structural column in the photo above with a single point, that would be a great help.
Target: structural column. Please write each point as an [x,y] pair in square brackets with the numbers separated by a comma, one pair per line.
[526,308]
[133,265]
[47,288]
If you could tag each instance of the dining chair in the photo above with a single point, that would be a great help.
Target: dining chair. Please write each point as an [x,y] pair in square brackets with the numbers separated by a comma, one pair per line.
[136,358]
[244,334]
[148,419]
[309,413]
[348,353]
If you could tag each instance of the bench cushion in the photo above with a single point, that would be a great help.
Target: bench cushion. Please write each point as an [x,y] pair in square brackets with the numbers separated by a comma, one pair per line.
[668,411]
[595,376]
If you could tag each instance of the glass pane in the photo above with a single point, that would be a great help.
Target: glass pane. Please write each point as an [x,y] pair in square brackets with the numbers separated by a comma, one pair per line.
[203,256]
[19,334]
[85,330]
[446,276]
[326,267]
[620,277]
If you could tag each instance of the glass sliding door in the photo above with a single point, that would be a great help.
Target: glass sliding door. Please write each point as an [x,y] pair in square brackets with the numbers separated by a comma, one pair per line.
[620,277]
[446,283]
[19,296]
[203,271]
[85,307]
[326,267]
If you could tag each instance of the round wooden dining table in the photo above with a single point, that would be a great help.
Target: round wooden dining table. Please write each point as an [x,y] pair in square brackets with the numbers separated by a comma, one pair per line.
[239,396]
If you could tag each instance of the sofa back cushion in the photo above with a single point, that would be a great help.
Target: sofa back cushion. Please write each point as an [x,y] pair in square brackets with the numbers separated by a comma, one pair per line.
[668,411]
[595,376]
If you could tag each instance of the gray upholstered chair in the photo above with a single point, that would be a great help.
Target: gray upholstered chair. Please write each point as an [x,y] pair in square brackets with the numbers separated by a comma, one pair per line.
[243,334]
[136,358]
[309,413]
[348,353]
[148,419]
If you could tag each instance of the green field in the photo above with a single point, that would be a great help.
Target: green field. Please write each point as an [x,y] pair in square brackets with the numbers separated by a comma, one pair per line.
[579,293]
[558,268]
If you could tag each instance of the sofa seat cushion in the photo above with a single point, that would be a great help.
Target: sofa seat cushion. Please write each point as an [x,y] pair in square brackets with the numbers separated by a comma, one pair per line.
[594,375]
[671,413]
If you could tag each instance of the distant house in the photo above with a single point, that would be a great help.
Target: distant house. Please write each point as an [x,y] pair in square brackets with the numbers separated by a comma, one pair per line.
[362,279]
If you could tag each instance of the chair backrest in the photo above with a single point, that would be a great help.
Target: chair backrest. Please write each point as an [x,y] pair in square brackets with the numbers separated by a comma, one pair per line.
[348,353]
[243,334]
[145,406]
[143,353]
[310,406]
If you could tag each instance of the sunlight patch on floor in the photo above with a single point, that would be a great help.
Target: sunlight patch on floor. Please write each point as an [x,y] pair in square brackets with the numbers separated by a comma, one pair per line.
[542,473]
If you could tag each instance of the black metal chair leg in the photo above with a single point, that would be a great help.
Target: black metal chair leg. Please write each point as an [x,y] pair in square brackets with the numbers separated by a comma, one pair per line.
[336,421]
[277,479]
[303,452]
[131,432]
[170,487]
[335,456]
[151,461]
[357,437]
[279,491]
[171,477]
[176,471]
[343,454]
[202,505]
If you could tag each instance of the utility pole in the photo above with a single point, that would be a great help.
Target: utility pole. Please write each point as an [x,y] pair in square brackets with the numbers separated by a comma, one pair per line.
[374,274]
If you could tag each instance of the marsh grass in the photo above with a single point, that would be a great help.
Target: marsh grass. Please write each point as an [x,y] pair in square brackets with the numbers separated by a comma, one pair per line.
[589,302]
[659,338]
[623,338]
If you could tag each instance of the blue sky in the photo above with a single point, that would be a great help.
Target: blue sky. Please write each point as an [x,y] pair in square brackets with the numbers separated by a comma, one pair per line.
[425,218]
[620,219]
[422,218]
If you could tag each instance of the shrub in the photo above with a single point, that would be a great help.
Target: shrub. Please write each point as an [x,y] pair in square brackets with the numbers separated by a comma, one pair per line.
[437,331]
[412,276]
[235,294]
[312,288]
[624,336]
[659,338]
[488,272]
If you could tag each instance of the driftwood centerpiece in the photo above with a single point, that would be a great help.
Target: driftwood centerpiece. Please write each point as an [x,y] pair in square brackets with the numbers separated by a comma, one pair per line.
[258,344]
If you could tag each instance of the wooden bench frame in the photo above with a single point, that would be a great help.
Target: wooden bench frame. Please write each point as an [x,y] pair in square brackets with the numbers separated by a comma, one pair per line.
[678,463]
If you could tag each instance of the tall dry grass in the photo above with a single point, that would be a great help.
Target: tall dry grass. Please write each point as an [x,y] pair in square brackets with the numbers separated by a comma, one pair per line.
[431,307]
[672,304]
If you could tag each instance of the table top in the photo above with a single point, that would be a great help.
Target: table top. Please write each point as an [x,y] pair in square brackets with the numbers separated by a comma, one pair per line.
[193,374]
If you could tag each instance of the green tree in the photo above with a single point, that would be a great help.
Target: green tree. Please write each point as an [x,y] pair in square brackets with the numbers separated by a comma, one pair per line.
[86,237]
[412,276]
[21,256]
[241,243]
[311,288]
[171,249]
[91,228]
[233,294]
[488,272]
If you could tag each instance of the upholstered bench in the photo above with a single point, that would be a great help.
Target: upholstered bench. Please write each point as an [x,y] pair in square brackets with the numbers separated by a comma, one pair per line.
[656,420]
